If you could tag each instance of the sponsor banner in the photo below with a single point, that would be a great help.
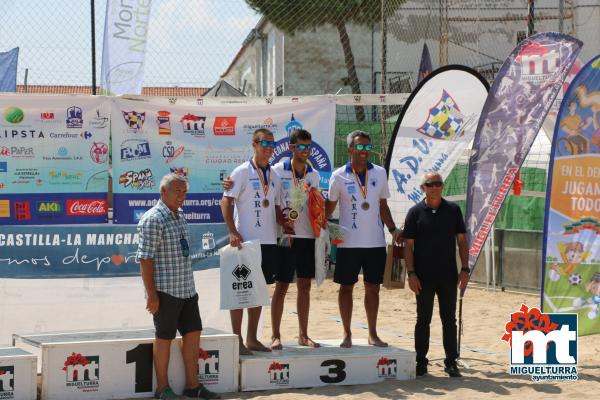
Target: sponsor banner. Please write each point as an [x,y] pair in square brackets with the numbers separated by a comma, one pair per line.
[53,208]
[91,251]
[198,207]
[205,143]
[435,127]
[517,104]
[571,262]
[124,51]
[58,149]
[529,333]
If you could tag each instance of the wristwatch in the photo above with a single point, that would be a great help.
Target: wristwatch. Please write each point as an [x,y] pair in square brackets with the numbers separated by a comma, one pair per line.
[392,230]
[465,269]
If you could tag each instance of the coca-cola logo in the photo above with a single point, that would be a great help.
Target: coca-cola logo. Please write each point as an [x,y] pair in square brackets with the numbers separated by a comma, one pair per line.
[85,207]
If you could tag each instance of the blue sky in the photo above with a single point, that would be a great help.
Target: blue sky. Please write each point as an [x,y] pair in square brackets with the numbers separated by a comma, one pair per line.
[190,42]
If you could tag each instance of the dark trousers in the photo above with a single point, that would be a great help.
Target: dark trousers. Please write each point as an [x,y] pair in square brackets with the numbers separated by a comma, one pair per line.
[446,293]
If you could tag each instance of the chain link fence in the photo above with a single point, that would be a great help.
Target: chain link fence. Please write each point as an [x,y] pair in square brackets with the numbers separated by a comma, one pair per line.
[307,47]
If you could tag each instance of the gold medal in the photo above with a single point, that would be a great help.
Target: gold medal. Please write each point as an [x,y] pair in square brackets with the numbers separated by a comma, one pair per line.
[265,203]
[365,206]
[293,215]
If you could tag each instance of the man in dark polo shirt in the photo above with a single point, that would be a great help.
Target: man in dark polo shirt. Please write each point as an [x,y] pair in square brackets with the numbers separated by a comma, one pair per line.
[432,230]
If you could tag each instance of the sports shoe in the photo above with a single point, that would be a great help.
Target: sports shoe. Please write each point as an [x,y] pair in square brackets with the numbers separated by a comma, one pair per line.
[166,393]
[201,392]
[421,369]
[452,371]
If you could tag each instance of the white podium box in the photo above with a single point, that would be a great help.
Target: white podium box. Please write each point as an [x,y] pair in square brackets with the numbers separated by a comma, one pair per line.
[18,374]
[118,364]
[298,366]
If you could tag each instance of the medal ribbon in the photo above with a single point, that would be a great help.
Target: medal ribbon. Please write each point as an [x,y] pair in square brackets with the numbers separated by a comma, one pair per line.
[365,188]
[262,180]
[296,180]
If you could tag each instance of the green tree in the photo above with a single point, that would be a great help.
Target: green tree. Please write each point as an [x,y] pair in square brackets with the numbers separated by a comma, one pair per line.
[292,16]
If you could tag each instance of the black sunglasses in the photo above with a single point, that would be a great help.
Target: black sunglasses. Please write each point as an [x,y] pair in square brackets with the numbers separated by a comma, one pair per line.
[185,247]
[434,184]
[302,147]
[267,143]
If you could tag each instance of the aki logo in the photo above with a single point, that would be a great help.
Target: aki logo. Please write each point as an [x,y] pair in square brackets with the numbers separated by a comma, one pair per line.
[542,345]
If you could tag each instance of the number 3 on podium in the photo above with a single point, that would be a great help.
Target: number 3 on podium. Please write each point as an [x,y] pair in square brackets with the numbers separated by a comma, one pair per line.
[336,373]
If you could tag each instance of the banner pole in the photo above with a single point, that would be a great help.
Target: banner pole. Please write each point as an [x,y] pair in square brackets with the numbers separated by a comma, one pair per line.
[93,26]
[460,304]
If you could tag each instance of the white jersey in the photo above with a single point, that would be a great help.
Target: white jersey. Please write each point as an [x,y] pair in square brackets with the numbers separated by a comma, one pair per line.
[364,228]
[302,226]
[252,220]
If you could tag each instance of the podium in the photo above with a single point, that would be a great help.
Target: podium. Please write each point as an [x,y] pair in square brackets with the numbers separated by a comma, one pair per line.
[18,374]
[119,364]
[299,366]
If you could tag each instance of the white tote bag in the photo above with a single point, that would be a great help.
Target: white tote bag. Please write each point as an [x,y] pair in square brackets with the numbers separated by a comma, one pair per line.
[322,249]
[242,281]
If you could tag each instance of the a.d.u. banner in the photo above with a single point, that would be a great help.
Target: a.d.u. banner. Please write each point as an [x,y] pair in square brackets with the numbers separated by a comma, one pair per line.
[435,127]
[517,104]
[571,273]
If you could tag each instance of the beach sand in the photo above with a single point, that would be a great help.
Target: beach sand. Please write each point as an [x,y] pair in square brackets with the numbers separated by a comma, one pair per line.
[485,314]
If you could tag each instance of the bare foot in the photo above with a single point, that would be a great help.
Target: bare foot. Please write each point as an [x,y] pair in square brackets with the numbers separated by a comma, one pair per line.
[256,346]
[347,342]
[375,341]
[244,351]
[306,341]
[276,343]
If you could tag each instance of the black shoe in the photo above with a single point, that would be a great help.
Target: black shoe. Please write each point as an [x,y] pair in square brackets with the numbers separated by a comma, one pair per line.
[421,369]
[452,371]
[201,392]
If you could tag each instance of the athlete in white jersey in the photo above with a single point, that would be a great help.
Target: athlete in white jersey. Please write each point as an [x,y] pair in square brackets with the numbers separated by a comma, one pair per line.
[299,258]
[249,211]
[361,189]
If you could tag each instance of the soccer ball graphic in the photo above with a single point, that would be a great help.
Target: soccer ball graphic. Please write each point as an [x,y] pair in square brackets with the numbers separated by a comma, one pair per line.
[575,279]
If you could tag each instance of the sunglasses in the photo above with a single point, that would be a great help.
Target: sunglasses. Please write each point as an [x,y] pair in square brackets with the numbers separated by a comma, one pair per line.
[361,147]
[303,147]
[267,143]
[434,184]
[185,247]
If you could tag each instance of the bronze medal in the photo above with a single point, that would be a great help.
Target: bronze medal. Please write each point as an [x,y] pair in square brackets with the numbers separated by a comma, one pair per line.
[293,215]
[265,203]
[365,206]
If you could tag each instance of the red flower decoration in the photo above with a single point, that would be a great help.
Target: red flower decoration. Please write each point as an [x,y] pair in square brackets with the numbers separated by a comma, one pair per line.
[75,359]
[275,366]
[528,319]
[383,361]
[203,354]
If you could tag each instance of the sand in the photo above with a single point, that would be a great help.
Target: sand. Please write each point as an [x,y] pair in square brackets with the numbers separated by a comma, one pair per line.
[485,314]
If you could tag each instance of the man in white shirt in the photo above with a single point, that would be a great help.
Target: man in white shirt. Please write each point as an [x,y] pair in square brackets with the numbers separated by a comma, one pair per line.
[249,211]
[361,189]
[300,257]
